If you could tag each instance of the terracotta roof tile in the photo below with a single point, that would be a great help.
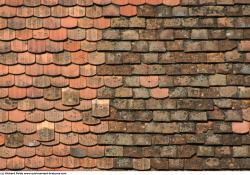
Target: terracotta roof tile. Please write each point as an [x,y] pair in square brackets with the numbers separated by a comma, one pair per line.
[124,85]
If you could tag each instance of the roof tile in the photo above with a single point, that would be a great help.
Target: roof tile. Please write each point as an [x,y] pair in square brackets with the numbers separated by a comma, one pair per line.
[34,162]
[128,10]
[15,163]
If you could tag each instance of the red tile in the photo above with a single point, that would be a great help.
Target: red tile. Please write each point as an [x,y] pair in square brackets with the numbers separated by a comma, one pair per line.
[85,23]
[24,11]
[241,127]
[72,46]
[31,140]
[41,11]
[136,2]
[3,92]
[34,23]
[23,80]
[95,82]
[19,46]
[5,47]
[159,92]
[120,2]
[80,127]
[25,34]
[53,162]
[14,2]
[17,93]
[7,34]
[15,163]
[69,138]
[33,92]
[40,34]
[61,150]
[16,22]
[7,80]
[17,69]
[2,139]
[59,105]
[63,127]
[44,150]
[52,46]
[36,46]
[69,22]
[77,11]
[93,11]
[113,81]
[44,104]
[149,81]
[52,23]
[59,11]
[79,57]
[72,115]
[88,70]
[93,34]
[101,128]
[78,83]
[88,139]
[3,164]
[88,162]
[59,81]
[49,2]
[6,11]
[71,162]
[34,69]
[88,93]
[71,70]
[45,58]
[52,69]
[102,2]
[128,10]
[32,3]
[111,10]
[3,116]
[26,152]
[4,70]
[105,163]
[34,162]
[6,152]
[96,151]
[3,23]
[102,23]
[58,35]
[16,115]
[96,58]
[154,2]
[26,104]
[26,127]
[171,2]
[26,58]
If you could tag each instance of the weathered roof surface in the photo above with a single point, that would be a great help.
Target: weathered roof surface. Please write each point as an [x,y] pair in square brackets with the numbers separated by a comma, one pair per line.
[124,84]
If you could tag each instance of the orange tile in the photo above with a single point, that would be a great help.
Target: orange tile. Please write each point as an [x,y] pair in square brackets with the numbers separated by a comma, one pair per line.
[128,10]
[16,115]
[17,93]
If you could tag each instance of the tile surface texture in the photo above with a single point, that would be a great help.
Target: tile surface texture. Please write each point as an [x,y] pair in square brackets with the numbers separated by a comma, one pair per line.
[124,84]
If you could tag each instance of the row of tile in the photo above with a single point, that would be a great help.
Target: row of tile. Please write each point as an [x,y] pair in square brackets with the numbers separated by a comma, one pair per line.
[120,2]
[78,34]
[120,118]
[127,10]
[213,61]
[68,164]
[97,2]
[42,46]
[18,23]
[57,94]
